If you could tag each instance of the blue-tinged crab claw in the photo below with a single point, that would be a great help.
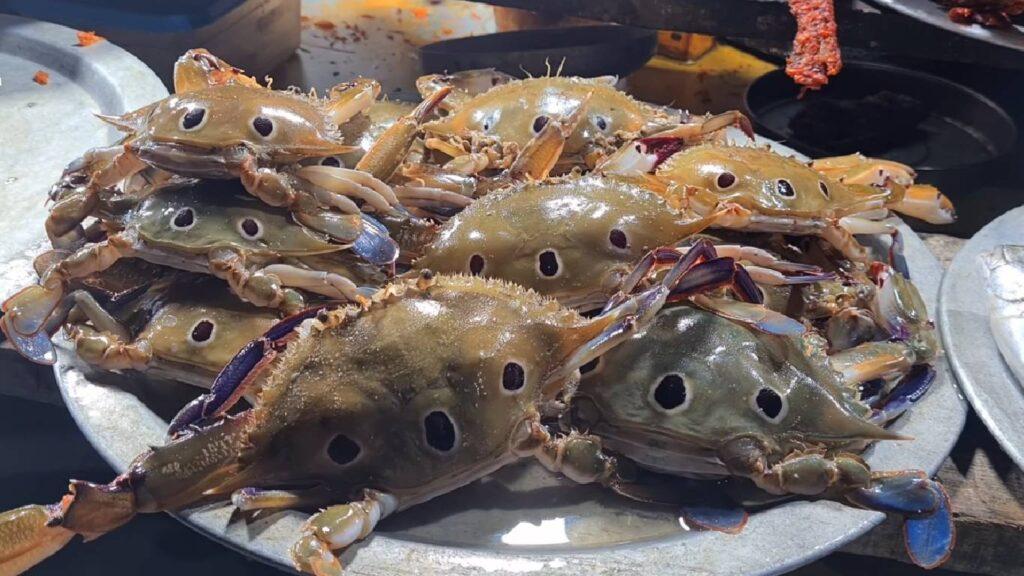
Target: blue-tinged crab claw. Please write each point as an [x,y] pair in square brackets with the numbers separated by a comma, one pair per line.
[930,539]
[36,347]
[238,375]
[374,244]
[754,315]
[908,391]
[724,518]
[909,493]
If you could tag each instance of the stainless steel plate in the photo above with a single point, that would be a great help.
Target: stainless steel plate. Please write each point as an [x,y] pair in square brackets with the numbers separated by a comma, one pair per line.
[521,520]
[964,322]
[935,14]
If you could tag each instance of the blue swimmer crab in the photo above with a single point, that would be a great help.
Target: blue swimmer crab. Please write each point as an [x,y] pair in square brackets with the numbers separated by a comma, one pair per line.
[355,418]
[696,395]
[754,189]
[210,227]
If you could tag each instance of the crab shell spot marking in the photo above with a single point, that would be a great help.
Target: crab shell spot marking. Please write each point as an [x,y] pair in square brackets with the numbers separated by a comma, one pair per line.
[249,228]
[332,161]
[193,119]
[513,378]
[601,123]
[343,450]
[263,126]
[591,366]
[202,333]
[539,123]
[769,405]
[439,432]
[549,264]
[183,219]
[476,264]
[618,239]
[784,188]
[725,180]
[669,394]
[824,189]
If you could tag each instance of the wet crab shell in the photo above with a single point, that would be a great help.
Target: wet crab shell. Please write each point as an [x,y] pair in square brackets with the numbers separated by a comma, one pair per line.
[571,238]
[518,110]
[675,393]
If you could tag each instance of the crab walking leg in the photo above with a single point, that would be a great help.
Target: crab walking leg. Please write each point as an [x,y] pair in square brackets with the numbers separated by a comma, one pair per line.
[579,457]
[351,98]
[337,527]
[64,223]
[250,499]
[259,287]
[26,538]
[109,352]
[542,152]
[326,283]
[435,196]
[388,152]
[352,183]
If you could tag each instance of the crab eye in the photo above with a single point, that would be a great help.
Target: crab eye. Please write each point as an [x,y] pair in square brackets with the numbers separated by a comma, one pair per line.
[618,239]
[331,161]
[439,431]
[769,405]
[725,180]
[784,188]
[263,126]
[513,377]
[824,189]
[539,123]
[343,450]
[669,393]
[250,228]
[601,122]
[548,263]
[183,219]
[193,119]
[202,332]
[476,264]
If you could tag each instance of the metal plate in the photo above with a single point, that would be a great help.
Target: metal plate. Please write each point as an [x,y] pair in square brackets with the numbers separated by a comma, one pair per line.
[934,13]
[523,520]
[46,126]
[963,316]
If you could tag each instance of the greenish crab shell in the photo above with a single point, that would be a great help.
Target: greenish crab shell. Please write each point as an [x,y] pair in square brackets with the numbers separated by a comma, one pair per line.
[674,394]
[353,405]
[199,218]
[571,238]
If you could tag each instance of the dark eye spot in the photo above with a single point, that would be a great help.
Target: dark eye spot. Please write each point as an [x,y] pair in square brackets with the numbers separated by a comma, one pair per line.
[823,188]
[202,331]
[193,118]
[476,264]
[250,228]
[784,188]
[618,238]
[547,262]
[601,123]
[590,366]
[262,125]
[513,377]
[539,123]
[725,180]
[769,403]
[670,393]
[331,161]
[439,430]
[183,219]
[343,450]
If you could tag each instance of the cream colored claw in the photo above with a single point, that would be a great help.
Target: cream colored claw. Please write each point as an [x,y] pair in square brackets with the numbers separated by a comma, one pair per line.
[350,183]
[337,527]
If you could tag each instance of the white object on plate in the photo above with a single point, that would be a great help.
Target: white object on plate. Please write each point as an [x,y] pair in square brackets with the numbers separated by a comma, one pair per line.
[1005,268]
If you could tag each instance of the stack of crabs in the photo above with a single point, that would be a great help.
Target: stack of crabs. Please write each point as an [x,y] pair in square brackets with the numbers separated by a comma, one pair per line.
[411,297]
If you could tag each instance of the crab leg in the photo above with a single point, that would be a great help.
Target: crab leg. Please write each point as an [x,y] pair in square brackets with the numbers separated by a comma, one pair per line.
[249,499]
[337,527]
[198,69]
[326,283]
[388,152]
[542,152]
[348,99]
[27,538]
[352,183]
[259,287]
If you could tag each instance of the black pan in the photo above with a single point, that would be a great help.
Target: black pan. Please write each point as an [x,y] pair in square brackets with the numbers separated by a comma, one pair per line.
[587,51]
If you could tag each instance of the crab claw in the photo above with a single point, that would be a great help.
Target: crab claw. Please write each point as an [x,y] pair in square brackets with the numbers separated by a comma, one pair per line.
[28,537]
[27,311]
[910,389]
[930,539]
[239,374]
[926,203]
[374,244]
[36,347]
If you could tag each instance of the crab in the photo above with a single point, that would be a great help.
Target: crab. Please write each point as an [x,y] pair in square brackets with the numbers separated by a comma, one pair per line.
[697,395]
[486,130]
[229,129]
[754,189]
[577,239]
[354,418]
[210,227]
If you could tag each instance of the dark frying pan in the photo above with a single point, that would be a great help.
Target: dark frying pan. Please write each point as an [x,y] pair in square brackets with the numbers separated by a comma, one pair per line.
[587,51]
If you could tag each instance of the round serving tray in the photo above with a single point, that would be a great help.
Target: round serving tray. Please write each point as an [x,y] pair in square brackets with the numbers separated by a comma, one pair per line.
[932,12]
[995,393]
[523,520]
